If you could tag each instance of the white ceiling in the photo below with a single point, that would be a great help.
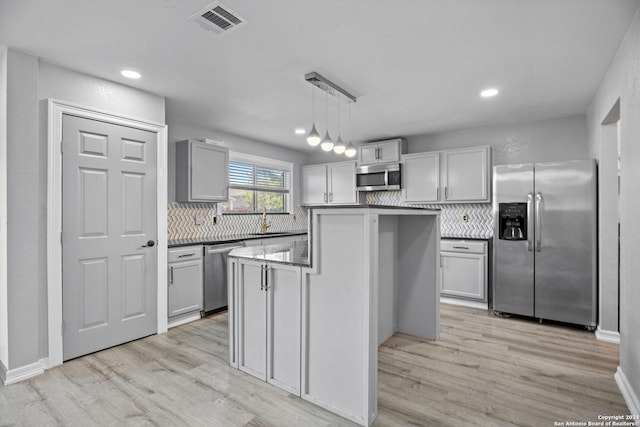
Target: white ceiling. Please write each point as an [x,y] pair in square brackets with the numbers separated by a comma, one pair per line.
[416,66]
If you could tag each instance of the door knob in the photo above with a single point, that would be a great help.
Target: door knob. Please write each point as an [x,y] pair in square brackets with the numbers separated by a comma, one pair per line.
[149,244]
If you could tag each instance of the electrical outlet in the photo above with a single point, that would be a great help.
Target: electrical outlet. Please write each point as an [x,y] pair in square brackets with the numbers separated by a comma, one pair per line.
[215,220]
[294,217]
[465,218]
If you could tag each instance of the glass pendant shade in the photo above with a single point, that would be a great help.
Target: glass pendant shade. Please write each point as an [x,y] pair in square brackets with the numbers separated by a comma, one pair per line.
[314,137]
[351,150]
[327,143]
[339,148]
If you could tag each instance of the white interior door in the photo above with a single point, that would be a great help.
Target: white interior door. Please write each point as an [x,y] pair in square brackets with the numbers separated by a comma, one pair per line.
[109,290]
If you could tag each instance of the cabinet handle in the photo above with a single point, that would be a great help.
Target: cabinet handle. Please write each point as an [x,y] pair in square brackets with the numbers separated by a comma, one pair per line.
[446,193]
[461,247]
[262,277]
[266,277]
[437,193]
[331,197]
[378,153]
[326,199]
[186,255]
[171,275]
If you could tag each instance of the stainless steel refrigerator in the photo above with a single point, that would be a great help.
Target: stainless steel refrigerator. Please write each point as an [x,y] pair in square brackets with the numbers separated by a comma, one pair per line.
[545,242]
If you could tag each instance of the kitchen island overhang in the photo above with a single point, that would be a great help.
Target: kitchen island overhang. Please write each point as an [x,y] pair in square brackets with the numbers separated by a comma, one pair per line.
[367,273]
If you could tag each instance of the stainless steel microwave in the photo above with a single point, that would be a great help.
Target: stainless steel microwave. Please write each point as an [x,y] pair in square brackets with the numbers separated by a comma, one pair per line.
[379,177]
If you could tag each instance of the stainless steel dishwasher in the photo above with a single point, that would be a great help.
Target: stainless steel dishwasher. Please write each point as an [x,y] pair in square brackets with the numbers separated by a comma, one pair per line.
[215,276]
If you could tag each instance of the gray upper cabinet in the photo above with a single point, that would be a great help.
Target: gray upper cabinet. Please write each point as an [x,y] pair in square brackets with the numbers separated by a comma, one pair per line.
[421,177]
[451,176]
[466,175]
[381,151]
[329,183]
[202,172]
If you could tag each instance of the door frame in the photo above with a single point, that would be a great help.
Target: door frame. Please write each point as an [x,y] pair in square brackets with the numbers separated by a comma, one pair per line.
[55,110]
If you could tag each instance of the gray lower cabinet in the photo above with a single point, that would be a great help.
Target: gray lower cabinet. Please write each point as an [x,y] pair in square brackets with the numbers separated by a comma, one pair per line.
[185,282]
[464,271]
[265,321]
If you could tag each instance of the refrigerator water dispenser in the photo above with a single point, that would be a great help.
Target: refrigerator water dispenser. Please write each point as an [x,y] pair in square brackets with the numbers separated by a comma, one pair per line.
[513,221]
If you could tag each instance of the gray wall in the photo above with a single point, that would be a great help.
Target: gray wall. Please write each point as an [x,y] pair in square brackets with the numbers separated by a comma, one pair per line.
[546,140]
[181,131]
[622,82]
[26,214]
[4,326]
[30,83]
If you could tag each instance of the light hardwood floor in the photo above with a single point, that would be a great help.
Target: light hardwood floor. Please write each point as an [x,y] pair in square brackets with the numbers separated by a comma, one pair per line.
[484,371]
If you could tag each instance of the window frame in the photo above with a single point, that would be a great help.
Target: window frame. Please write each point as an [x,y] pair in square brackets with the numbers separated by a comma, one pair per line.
[267,163]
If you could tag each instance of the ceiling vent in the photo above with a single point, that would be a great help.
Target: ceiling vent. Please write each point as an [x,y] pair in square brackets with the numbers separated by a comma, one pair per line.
[218,18]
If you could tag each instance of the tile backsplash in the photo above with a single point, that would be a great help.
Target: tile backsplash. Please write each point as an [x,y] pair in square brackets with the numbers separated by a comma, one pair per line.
[478,226]
[183,219]
[201,220]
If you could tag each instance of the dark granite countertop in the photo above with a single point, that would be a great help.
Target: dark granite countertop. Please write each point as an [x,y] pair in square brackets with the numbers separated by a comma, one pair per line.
[389,207]
[291,253]
[229,239]
[480,239]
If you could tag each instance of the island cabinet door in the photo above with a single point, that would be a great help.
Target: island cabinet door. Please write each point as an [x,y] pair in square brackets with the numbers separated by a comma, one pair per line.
[252,316]
[283,331]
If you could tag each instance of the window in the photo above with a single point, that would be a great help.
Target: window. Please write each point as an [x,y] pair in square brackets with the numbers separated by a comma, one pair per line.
[256,183]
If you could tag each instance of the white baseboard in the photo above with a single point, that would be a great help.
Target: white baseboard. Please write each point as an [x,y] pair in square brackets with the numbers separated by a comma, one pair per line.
[608,336]
[465,303]
[3,373]
[184,318]
[630,397]
[12,376]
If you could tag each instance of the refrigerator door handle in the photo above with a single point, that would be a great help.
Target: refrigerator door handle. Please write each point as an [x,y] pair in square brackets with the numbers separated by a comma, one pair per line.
[529,222]
[538,222]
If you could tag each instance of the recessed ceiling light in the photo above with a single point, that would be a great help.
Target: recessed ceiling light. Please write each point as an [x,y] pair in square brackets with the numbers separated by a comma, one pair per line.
[488,93]
[130,74]
[300,131]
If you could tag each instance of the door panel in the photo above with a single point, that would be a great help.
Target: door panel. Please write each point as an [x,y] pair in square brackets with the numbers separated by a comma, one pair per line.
[133,203]
[514,262]
[283,358]
[185,287]
[314,184]
[421,175]
[93,201]
[463,275]
[252,315]
[134,272]
[466,174]
[566,260]
[389,152]
[109,286]
[94,292]
[343,183]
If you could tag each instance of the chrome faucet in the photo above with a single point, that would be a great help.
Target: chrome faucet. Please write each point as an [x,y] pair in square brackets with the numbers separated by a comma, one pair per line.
[265,224]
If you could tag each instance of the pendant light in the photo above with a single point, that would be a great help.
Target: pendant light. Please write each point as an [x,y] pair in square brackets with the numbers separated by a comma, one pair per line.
[327,142]
[333,89]
[339,147]
[350,150]
[314,137]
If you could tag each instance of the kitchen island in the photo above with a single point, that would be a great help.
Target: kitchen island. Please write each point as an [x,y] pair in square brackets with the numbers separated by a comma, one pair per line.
[309,317]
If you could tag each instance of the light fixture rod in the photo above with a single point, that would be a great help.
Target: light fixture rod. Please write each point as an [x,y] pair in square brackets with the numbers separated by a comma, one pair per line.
[328,86]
